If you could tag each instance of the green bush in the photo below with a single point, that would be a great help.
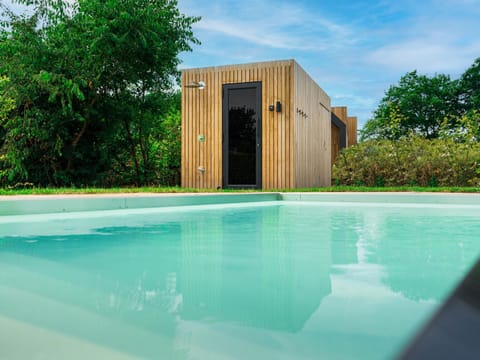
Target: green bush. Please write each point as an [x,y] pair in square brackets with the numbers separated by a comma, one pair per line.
[410,161]
[156,154]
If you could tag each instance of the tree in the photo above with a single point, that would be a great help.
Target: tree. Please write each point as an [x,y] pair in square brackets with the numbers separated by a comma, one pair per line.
[469,88]
[7,103]
[418,104]
[93,83]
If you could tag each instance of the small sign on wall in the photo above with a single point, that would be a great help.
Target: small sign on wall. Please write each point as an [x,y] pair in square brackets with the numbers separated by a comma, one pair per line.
[201,138]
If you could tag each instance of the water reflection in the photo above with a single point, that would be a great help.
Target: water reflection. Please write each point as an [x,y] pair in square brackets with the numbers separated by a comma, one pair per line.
[418,250]
[419,259]
[256,275]
[247,268]
[344,239]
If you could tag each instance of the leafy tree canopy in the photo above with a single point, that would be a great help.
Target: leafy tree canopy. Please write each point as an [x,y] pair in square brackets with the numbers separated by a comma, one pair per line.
[469,87]
[93,82]
[7,103]
[426,106]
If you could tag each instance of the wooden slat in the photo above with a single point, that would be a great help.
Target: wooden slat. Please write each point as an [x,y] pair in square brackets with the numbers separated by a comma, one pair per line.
[184,157]
[281,95]
[201,110]
[274,131]
[217,132]
[268,134]
[292,117]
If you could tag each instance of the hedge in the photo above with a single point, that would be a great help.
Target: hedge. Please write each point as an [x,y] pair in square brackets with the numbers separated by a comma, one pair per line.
[412,161]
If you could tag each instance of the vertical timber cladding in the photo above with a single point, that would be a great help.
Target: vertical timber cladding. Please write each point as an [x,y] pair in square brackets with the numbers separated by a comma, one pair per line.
[350,122]
[312,135]
[352,130]
[202,123]
[335,142]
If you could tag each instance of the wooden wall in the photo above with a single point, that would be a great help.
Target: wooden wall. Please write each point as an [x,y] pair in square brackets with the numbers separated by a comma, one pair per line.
[335,143]
[351,130]
[312,135]
[341,112]
[202,115]
[350,121]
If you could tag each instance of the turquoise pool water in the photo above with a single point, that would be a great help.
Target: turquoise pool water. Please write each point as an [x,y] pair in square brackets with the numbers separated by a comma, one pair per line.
[270,280]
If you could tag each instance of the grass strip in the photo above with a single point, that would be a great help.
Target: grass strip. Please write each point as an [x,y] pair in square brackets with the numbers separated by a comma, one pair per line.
[171,190]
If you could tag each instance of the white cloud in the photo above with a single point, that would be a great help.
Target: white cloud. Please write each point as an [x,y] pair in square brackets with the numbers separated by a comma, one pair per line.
[430,44]
[275,25]
[433,36]
[263,37]
[426,56]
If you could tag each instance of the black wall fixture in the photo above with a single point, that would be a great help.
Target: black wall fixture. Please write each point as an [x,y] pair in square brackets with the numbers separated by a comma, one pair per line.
[279,106]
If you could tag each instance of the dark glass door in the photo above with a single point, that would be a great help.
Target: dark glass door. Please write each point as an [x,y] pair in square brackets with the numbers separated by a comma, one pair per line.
[242,135]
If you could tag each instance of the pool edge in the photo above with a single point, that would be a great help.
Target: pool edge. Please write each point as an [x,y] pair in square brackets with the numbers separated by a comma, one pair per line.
[45,204]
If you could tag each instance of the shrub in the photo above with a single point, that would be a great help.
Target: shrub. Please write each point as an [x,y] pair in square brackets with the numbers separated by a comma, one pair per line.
[409,161]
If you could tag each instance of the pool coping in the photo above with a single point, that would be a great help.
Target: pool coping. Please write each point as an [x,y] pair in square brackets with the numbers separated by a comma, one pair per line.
[44,204]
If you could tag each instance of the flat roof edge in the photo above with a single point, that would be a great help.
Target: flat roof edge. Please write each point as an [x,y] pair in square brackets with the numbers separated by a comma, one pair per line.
[243,65]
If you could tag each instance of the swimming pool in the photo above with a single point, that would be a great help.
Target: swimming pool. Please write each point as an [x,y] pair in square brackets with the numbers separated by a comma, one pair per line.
[305,277]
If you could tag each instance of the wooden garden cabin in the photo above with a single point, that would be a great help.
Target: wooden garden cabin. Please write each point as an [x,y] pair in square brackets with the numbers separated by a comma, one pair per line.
[262,125]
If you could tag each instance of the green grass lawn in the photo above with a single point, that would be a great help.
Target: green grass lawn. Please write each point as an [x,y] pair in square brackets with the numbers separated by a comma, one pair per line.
[91,190]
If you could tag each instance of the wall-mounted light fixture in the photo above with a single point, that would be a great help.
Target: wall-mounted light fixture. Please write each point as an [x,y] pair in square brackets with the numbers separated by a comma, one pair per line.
[200,85]
[278,106]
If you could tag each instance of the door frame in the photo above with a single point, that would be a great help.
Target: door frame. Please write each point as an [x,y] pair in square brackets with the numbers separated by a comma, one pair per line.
[257,85]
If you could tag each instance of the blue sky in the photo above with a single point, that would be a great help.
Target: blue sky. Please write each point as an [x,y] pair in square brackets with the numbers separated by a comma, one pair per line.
[353,49]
